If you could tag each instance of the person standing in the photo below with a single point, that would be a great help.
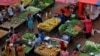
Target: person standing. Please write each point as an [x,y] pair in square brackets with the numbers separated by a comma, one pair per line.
[36,42]
[41,36]
[10,12]
[88,27]
[64,52]
[39,17]
[30,22]
[20,50]
[21,7]
[1,17]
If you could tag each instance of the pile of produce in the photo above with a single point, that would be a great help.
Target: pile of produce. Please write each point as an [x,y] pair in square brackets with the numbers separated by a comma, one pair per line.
[41,4]
[23,15]
[2,33]
[44,51]
[70,27]
[32,9]
[17,20]
[71,31]
[26,2]
[27,49]
[49,24]
[92,47]
[28,36]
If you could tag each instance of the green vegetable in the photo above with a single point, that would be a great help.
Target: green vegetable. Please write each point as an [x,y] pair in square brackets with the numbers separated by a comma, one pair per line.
[92,47]
[27,49]
[74,22]
[71,31]
[83,54]
[32,9]
[29,36]
[63,27]
[34,2]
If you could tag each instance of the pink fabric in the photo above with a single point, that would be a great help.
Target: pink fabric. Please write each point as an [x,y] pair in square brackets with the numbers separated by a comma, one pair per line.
[75,53]
[64,53]
[59,40]
[13,38]
[8,2]
[62,1]
[88,25]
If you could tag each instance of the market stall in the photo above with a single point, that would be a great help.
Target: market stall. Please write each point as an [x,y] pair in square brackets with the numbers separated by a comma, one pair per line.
[26,40]
[49,24]
[92,14]
[47,50]
[15,22]
[29,9]
[3,35]
[91,48]
[26,2]
[71,27]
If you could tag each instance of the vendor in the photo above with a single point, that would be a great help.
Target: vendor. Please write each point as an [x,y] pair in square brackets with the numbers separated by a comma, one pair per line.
[20,50]
[1,18]
[10,12]
[41,36]
[36,42]
[64,52]
[21,7]
[88,27]
[30,23]
[11,31]
[62,17]
[39,17]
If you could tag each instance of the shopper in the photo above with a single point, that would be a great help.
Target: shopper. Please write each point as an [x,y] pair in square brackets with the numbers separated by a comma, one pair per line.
[88,27]
[75,53]
[10,12]
[36,42]
[11,31]
[41,36]
[20,50]
[62,17]
[1,18]
[8,48]
[4,13]
[64,52]
[21,7]
[30,22]
[39,17]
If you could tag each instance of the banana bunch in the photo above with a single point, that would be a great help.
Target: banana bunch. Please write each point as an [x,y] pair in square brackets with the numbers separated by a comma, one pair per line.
[49,24]
[26,2]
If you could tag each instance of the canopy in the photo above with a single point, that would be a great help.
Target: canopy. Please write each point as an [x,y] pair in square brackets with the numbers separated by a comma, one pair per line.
[8,2]
[97,2]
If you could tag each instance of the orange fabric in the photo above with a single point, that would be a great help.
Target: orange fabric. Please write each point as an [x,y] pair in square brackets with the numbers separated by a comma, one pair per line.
[78,28]
[66,11]
[80,11]
[20,49]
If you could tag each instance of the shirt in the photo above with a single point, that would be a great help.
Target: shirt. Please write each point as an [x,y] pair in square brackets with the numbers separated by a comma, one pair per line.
[10,11]
[22,7]
[88,25]
[36,42]
[1,17]
[41,36]
[64,53]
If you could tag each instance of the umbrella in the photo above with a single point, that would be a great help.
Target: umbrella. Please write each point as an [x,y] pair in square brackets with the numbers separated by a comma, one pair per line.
[8,2]
[97,2]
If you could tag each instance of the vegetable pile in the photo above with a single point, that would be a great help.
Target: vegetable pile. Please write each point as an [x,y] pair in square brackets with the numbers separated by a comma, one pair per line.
[28,36]
[92,47]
